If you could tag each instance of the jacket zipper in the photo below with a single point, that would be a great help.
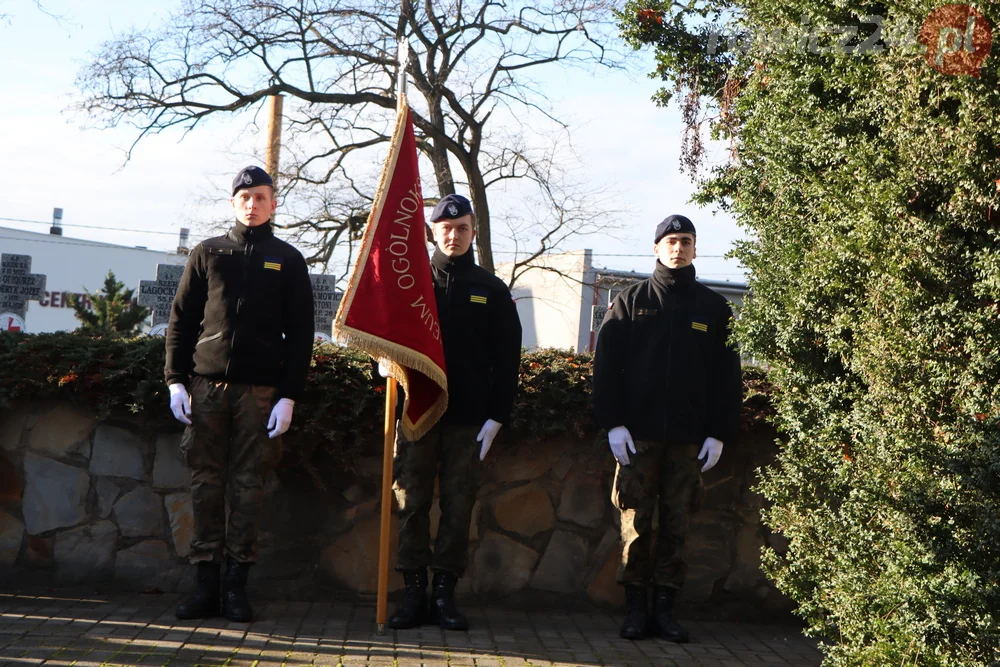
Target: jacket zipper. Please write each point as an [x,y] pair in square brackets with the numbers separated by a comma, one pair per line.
[247,251]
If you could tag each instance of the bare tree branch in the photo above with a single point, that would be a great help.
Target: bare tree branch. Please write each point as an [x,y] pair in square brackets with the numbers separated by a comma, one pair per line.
[335,62]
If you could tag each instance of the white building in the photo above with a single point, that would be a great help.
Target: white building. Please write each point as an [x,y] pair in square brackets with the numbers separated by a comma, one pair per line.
[562,299]
[75,266]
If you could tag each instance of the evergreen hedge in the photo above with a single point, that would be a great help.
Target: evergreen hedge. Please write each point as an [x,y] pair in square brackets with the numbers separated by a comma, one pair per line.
[338,419]
[867,183]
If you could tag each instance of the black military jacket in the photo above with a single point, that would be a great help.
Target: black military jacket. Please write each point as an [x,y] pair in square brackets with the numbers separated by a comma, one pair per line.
[664,367]
[481,332]
[243,313]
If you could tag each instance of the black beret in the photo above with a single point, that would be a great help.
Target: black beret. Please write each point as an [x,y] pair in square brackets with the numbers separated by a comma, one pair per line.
[674,224]
[249,177]
[451,207]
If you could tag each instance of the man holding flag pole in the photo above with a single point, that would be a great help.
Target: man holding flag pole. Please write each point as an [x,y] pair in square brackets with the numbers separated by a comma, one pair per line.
[481,333]
[412,322]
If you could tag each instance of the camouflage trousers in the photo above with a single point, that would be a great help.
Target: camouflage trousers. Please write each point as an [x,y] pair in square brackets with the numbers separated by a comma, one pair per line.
[227,449]
[660,476]
[451,453]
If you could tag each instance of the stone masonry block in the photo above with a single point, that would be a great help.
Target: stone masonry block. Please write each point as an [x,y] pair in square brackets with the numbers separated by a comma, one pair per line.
[55,494]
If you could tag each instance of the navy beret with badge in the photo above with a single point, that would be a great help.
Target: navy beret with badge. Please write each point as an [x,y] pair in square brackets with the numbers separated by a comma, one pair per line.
[674,224]
[450,207]
[249,177]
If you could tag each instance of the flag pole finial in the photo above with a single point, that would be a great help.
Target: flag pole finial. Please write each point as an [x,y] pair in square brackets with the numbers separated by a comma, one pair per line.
[403,57]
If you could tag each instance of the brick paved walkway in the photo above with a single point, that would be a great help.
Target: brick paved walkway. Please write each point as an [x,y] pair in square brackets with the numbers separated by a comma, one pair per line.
[66,629]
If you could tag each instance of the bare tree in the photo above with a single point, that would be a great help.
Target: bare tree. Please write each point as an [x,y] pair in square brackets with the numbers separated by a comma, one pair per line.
[558,210]
[5,17]
[471,66]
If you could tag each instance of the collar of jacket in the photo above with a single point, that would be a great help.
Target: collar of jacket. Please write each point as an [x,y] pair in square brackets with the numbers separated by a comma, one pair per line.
[243,234]
[667,278]
[443,262]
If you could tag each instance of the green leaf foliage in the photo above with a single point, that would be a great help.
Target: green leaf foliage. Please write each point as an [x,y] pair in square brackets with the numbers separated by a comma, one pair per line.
[112,310]
[867,183]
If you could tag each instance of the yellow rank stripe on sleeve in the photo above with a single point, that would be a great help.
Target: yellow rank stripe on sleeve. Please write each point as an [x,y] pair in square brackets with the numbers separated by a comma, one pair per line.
[272,265]
[698,326]
[477,299]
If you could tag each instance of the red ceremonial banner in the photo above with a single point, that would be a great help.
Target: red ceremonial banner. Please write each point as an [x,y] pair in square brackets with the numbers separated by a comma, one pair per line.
[389,309]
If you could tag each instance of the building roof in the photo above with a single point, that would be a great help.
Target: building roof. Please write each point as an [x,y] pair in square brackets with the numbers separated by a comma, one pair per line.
[12,233]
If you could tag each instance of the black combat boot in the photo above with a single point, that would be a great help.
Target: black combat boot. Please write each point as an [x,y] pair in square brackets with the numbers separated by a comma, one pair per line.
[204,602]
[443,611]
[235,604]
[413,609]
[664,624]
[636,625]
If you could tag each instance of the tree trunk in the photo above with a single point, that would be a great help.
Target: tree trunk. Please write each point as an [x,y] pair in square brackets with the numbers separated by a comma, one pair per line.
[477,192]
[438,152]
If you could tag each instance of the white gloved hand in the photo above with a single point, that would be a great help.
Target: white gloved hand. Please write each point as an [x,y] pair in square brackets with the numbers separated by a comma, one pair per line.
[713,450]
[281,417]
[486,435]
[621,442]
[383,368]
[180,403]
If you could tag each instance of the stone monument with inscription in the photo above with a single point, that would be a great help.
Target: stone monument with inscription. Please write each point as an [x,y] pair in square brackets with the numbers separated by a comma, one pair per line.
[158,295]
[18,286]
[325,302]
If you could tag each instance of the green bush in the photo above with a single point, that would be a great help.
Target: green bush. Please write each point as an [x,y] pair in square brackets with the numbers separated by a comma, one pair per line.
[866,183]
[337,420]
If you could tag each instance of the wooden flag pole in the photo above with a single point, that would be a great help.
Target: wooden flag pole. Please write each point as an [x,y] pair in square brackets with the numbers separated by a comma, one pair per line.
[382,597]
[383,542]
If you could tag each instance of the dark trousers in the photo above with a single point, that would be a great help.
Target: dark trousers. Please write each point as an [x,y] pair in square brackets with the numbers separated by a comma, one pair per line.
[227,448]
[660,476]
[451,453]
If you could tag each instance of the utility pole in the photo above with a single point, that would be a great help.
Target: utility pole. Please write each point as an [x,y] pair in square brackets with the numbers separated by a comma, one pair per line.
[272,158]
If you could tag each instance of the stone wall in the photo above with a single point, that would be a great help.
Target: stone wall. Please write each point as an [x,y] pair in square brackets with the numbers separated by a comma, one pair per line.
[103,503]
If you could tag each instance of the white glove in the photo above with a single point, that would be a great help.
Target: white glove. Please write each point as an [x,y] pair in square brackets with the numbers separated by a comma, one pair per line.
[713,450]
[281,417]
[621,442]
[180,403]
[486,435]
[383,368]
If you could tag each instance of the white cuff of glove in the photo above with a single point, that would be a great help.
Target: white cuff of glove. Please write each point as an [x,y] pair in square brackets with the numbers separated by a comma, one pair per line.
[710,451]
[180,403]
[281,417]
[486,436]
[620,441]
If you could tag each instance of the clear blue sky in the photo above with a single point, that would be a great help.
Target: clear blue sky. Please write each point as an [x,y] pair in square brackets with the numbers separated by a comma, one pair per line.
[624,143]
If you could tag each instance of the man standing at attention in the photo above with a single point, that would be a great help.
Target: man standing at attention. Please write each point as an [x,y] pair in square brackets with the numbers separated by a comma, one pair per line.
[481,334]
[240,340]
[668,388]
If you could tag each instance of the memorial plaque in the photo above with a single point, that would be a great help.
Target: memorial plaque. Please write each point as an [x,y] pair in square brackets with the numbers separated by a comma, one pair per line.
[597,315]
[18,286]
[326,300]
[158,294]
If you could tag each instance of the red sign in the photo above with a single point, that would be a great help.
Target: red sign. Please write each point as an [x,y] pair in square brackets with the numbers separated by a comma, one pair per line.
[11,322]
[958,39]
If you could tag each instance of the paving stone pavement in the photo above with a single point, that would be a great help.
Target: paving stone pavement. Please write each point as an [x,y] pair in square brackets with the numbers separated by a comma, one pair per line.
[60,628]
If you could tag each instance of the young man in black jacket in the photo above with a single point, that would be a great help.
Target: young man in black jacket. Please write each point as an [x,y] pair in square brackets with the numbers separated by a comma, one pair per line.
[668,388]
[481,334]
[240,336]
